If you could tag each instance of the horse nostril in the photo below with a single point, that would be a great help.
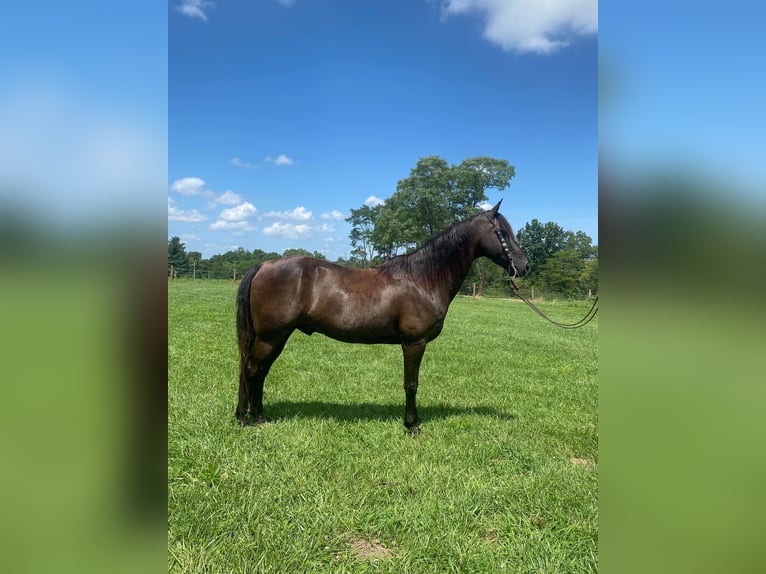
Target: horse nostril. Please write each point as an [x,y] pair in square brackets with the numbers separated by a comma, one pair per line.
[526,268]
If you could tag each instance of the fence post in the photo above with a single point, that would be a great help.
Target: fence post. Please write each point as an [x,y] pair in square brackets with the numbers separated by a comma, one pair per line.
[172,272]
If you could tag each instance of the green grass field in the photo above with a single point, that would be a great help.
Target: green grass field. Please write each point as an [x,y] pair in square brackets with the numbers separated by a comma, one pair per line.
[503,479]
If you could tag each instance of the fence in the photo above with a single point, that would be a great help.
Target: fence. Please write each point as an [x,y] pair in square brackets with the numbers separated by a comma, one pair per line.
[469,289]
[205,273]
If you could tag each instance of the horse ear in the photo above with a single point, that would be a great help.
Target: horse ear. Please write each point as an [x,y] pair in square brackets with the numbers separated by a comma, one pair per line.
[493,211]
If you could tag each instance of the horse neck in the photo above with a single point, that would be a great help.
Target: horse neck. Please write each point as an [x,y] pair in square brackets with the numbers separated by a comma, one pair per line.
[450,259]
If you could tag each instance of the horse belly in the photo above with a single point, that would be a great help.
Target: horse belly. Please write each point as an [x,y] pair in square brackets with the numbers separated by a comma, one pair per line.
[354,320]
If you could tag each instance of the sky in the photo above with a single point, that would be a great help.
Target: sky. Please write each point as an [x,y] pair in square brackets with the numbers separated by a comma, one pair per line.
[285,114]
[83,113]
[692,98]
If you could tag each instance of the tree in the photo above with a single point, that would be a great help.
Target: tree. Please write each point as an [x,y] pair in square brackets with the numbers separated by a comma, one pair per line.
[177,258]
[589,276]
[299,251]
[293,251]
[473,177]
[420,207]
[362,222]
[435,196]
[580,242]
[562,272]
[539,242]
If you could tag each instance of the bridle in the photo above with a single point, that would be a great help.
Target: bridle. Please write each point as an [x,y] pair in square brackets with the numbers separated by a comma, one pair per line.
[512,272]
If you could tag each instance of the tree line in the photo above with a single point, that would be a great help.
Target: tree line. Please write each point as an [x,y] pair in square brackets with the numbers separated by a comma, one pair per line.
[433,197]
[224,265]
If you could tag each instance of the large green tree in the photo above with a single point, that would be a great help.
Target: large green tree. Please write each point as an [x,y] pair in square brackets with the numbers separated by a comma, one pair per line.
[419,208]
[434,196]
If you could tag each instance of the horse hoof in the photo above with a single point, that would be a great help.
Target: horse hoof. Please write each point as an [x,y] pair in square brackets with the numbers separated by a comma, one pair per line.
[248,421]
[415,430]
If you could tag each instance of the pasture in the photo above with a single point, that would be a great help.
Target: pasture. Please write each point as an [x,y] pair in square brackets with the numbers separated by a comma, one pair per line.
[503,478]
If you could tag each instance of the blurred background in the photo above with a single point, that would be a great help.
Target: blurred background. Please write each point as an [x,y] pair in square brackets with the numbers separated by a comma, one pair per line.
[682,209]
[83,180]
[83,156]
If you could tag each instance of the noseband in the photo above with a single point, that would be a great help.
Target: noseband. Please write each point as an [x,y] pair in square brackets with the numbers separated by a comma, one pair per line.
[512,271]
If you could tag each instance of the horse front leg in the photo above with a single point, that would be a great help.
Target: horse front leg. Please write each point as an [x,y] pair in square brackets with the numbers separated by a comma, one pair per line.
[413,354]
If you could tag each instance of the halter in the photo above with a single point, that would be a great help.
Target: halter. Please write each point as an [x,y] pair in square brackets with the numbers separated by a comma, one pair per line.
[511,267]
[504,245]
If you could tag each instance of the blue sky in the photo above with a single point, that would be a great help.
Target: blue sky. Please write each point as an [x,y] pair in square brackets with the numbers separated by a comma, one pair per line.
[83,112]
[284,115]
[692,98]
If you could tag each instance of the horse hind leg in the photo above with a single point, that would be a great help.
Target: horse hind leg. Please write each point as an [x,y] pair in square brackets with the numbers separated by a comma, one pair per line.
[262,356]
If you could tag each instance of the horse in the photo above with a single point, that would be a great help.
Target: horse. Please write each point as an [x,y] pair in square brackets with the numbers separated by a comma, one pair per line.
[402,301]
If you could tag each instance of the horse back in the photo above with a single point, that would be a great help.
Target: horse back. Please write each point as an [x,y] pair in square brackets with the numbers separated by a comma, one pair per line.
[353,305]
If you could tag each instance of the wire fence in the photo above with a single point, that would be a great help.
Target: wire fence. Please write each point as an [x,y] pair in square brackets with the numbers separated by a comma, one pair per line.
[504,291]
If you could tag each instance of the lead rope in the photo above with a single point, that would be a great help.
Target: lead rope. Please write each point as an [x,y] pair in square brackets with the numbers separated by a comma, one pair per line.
[512,271]
[581,323]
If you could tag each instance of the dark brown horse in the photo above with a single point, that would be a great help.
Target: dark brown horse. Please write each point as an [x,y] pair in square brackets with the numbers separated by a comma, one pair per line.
[402,301]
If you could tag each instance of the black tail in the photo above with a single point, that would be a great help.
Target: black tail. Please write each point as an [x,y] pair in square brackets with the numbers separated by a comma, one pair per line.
[245,326]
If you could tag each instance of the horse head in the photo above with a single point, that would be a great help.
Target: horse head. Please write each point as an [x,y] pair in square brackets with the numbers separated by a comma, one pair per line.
[499,244]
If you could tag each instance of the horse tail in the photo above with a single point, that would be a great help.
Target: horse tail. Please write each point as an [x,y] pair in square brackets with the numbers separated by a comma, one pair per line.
[245,325]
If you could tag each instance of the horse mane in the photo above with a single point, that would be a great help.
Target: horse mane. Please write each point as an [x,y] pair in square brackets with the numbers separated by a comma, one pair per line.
[435,257]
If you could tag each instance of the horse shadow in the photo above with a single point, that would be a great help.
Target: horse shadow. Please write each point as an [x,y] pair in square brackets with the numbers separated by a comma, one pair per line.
[360,412]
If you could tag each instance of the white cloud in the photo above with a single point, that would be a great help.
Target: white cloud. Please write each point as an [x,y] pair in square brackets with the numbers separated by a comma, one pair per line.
[286,3]
[485,205]
[228,197]
[281,159]
[238,213]
[373,201]
[334,215]
[188,186]
[194,8]
[326,228]
[189,237]
[222,225]
[297,214]
[531,25]
[175,214]
[246,164]
[195,186]
[290,230]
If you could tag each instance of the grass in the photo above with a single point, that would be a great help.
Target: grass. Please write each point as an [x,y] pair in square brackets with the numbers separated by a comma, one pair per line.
[503,478]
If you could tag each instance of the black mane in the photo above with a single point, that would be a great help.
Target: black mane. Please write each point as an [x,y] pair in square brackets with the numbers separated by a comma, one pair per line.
[438,255]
